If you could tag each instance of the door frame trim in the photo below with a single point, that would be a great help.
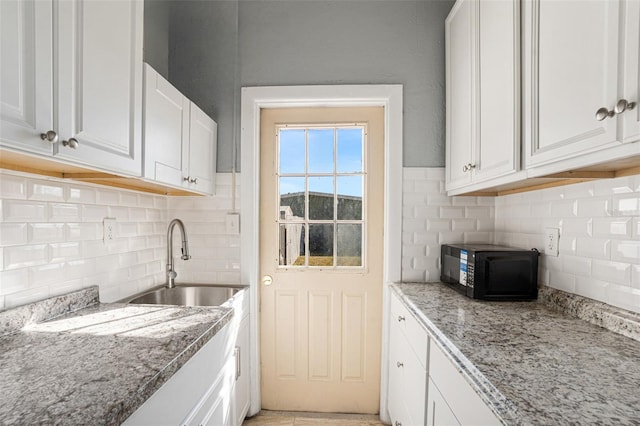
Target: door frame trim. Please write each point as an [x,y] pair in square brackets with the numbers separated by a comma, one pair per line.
[256,98]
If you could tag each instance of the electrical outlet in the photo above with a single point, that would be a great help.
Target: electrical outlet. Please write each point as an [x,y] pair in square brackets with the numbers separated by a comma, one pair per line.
[552,236]
[233,223]
[108,230]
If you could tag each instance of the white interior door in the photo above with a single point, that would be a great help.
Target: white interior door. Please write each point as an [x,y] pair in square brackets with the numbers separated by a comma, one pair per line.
[321,256]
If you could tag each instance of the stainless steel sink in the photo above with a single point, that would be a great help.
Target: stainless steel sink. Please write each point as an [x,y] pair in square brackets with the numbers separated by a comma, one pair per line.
[196,295]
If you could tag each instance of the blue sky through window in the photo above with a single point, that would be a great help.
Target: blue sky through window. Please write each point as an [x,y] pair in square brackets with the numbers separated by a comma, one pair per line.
[321,159]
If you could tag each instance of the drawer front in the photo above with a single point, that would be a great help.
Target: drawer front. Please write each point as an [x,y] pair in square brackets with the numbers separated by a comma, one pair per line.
[467,405]
[411,328]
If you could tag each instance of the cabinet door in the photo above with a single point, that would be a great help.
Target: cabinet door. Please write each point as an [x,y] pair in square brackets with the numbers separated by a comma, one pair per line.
[26,79]
[166,129]
[630,82]
[242,387]
[571,70]
[100,83]
[396,391]
[460,92]
[497,150]
[439,413]
[201,154]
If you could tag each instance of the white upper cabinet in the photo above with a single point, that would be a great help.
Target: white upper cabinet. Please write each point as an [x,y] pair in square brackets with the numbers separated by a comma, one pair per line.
[79,62]
[99,96]
[166,129]
[180,140]
[26,74]
[201,158]
[483,87]
[580,63]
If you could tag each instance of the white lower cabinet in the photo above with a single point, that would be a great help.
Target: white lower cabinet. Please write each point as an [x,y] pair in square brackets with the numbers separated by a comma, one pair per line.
[424,386]
[197,393]
[439,411]
[407,367]
[213,387]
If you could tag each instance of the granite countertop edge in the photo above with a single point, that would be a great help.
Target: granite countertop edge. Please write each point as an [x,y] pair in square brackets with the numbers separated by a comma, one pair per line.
[616,320]
[121,413]
[505,410]
[15,320]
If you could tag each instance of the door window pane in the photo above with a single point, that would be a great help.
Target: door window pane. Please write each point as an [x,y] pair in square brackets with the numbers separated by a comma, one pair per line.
[291,198]
[349,247]
[292,150]
[350,197]
[320,198]
[320,150]
[291,240]
[321,244]
[349,150]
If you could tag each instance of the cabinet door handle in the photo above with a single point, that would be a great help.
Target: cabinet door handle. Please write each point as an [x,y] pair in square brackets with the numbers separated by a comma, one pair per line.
[71,143]
[397,423]
[623,105]
[400,318]
[186,178]
[604,113]
[237,354]
[467,167]
[399,364]
[50,136]
[193,180]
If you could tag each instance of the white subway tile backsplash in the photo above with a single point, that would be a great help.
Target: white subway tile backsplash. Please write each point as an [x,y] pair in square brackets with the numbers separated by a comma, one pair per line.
[13,280]
[23,256]
[23,211]
[635,276]
[64,212]
[92,213]
[12,234]
[615,272]
[626,204]
[582,227]
[577,265]
[79,194]
[46,274]
[83,231]
[563,209]
[26,296]
[13,187]
[45,191]
[612,227]
[46,232]
[626,251]
[593,207]
[64,251]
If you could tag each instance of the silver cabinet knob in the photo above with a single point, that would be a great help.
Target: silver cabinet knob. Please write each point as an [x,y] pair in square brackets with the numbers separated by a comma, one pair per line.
[623,105]
[604,113]
[467,167]
[50,136]
[400,318]
[399,364]
[267,280]
[193,180]
[186,178]
[71,143]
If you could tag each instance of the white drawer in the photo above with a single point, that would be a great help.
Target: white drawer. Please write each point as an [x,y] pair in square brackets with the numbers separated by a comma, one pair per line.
[414,332]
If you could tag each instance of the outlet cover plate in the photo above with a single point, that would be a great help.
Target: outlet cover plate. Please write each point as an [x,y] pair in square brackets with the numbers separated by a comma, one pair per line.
[552,235]
[108,230]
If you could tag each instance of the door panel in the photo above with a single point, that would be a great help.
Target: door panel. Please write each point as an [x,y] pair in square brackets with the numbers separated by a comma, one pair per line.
[321,209]
[26,70]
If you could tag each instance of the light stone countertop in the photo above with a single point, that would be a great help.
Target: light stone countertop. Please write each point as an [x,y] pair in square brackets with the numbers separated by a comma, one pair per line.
[93,363]
[529,363]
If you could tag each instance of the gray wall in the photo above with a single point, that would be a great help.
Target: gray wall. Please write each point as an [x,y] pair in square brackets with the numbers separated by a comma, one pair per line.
[156,35]
[203,53]
[216,47]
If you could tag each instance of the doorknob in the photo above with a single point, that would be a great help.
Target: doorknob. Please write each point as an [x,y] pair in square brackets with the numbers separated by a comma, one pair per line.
[267,280]
[623,105]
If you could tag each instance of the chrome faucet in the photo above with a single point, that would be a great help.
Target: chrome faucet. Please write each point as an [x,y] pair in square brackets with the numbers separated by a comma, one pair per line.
[171,274]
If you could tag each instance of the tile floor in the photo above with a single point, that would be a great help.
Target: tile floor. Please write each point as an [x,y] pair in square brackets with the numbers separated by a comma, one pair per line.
[286,418]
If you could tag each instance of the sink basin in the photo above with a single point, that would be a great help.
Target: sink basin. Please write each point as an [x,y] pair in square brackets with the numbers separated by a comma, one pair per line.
[197,295]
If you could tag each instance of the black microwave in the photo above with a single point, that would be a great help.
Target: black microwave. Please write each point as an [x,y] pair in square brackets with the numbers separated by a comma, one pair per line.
[490,272]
